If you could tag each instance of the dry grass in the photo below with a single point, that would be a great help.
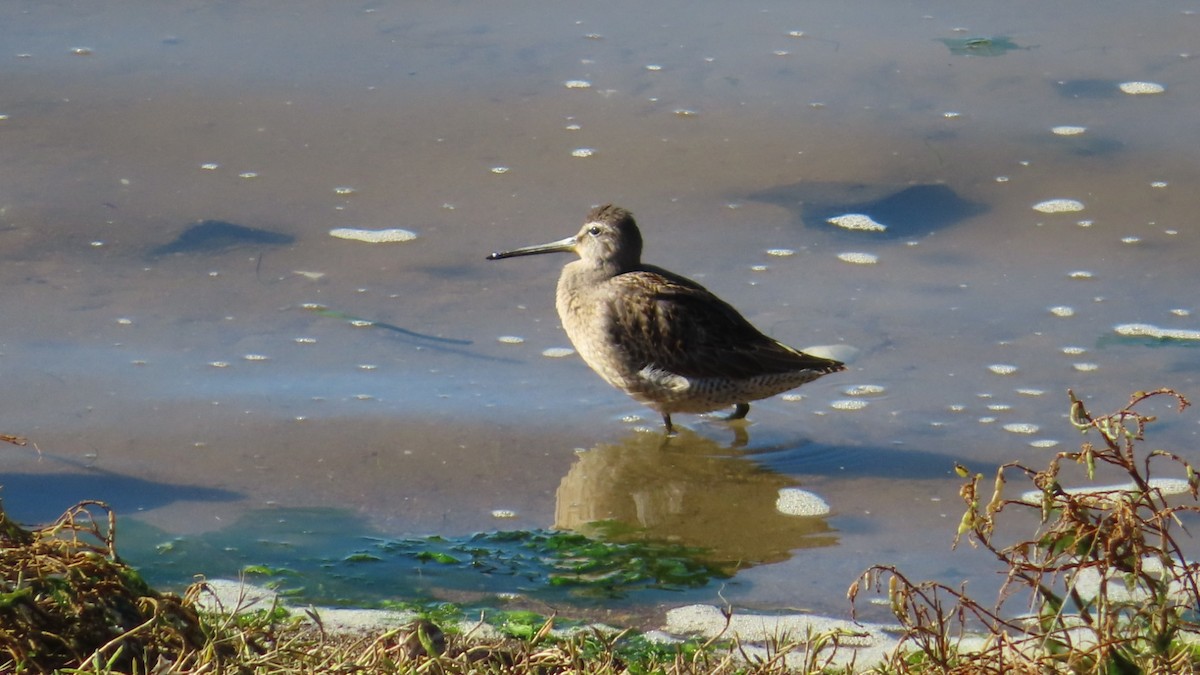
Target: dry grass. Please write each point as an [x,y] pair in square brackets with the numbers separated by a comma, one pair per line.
[66,600]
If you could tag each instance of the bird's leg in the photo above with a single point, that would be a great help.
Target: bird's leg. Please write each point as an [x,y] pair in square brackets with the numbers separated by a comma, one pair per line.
[667,422]
[739,413]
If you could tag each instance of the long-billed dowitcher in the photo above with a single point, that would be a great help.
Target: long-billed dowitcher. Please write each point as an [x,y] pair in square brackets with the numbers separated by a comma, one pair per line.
[661,338]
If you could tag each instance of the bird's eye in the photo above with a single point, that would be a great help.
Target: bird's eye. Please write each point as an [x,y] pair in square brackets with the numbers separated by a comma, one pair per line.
[594,230]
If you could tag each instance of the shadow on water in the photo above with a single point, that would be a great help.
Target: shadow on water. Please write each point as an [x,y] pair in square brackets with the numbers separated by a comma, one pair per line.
[215,236]
[912,211]
[818,459]
[1088,89]
[38,498]
[404,335]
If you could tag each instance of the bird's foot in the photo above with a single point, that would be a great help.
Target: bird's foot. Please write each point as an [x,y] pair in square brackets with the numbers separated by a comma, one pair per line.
[739,412]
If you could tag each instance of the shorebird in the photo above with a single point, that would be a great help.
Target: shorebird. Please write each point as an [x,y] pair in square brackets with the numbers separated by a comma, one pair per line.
[662,338]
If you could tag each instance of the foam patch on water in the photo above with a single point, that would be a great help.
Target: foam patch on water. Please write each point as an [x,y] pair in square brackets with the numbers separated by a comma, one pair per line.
[858,258]
[865,390]
[1067,130]
[1021,428]
[857,221]
[848,404]
[1136,88]
[389,235]
[557,352]
[797,502]
[1002,368]
[1169,486]
[1148,330]
[1058,206]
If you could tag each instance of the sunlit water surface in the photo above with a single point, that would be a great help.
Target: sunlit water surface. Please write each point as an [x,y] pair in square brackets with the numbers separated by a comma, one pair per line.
[190,381]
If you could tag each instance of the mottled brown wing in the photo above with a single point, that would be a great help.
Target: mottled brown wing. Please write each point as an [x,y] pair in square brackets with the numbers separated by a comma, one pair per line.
[671,323]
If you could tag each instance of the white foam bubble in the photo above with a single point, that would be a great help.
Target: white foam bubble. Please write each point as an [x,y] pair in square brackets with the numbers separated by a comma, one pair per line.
[389,235]
[1148,330]
[797,502]
[1136,88]
[858,258]
[1168,486]
[857,221]
[848,404]
[1058,206]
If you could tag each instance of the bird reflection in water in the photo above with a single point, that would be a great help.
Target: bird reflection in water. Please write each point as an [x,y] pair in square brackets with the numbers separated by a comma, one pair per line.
[691,491]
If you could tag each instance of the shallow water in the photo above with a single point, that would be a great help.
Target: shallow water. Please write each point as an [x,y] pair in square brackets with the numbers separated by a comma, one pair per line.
[190,382]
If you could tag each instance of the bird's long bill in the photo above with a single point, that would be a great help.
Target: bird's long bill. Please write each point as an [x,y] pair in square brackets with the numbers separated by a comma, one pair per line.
[559,246]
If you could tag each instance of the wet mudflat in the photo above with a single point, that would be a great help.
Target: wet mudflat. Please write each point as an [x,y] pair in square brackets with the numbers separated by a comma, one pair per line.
[190,375]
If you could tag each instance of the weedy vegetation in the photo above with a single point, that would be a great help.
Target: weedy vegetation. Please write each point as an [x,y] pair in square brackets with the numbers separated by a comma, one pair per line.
[1108,585]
